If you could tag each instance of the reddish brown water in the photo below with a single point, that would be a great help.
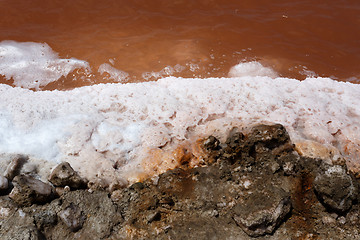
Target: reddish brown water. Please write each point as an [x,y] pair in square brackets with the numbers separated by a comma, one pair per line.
[142,36]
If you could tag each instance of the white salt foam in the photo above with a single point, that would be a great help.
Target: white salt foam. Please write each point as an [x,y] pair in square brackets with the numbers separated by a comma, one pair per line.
[115,74]
[32,65]
[252,69]
[106,131]
[165,72]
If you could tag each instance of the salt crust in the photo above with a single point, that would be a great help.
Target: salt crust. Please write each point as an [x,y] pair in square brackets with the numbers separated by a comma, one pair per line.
[97,127]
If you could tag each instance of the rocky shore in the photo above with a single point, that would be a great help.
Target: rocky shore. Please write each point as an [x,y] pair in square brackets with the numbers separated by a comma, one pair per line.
[253,186]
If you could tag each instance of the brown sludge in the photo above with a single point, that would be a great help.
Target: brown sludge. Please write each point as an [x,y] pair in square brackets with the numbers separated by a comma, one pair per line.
[255,186]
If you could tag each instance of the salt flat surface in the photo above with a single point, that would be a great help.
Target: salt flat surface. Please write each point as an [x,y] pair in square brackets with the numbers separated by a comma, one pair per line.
[119,132]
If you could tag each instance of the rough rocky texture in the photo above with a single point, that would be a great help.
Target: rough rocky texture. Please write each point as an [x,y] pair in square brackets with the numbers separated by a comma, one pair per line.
[64,175]
[262,210]
[95,213]
[28,190]
[335,188]
[73,217]
[23,233]
[15,166]
[4,184]
[254,185]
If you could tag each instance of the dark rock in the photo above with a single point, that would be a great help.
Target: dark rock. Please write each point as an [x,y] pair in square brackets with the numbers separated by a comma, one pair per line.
[153,216]
[4,184]
[15,166]
[211,143]
[73,217]
[64,175]
[273,135]
[264,142]
[289,168]
[18,225]
[335,188]
[137,186]
[246,197]
[28,190]
[235,146]
[262,210]
[95,211]
[212,147]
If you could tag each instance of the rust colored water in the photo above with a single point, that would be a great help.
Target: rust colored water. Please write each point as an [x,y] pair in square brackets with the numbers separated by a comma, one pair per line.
[198,38]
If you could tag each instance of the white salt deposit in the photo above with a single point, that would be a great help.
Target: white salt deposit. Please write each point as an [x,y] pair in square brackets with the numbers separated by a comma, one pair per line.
[107,131]
[123,132]
[32,65]
[4,212]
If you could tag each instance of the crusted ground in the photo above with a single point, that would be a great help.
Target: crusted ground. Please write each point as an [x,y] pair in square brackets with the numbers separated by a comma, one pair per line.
[254,186]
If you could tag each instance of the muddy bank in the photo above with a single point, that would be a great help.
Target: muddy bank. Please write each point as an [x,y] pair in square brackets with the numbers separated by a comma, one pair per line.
[254,185]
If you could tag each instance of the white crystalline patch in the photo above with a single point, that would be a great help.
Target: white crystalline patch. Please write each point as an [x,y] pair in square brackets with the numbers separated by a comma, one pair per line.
[252,69]
[115,74]
[41,140]
[4,212]
[165,72]
[106,131]
[335,169]
[124,137]
[32,65]
[246,184]
[21,213]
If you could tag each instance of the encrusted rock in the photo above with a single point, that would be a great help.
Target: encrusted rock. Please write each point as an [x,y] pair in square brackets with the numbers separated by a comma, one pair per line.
[23,233]
[64,175]
[273,135]
[275,167]
[335,188]
[153,216]
[212,146]
[45,218]
[260,142]
[4,183]
[211,143]
[73,217]
[235,145]
[7,208]
[328,220]
[262,211]
[15,166]
[289,168]
[95,211]
[28,190]
[342,220]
